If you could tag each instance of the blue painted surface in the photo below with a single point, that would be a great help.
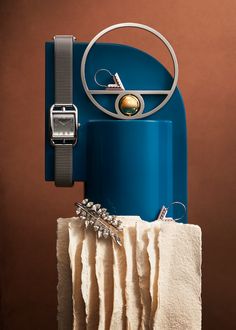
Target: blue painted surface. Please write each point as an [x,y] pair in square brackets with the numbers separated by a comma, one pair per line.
[163,178]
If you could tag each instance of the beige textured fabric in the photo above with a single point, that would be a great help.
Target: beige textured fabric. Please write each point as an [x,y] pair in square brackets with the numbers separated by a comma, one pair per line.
[89,285]
[179,283]
[64,287]
[76,235]
[152,282]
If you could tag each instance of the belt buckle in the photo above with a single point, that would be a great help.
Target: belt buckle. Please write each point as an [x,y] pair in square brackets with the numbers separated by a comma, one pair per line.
[63,124]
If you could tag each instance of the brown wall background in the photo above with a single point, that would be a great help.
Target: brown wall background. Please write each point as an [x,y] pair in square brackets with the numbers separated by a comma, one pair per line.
[203,34]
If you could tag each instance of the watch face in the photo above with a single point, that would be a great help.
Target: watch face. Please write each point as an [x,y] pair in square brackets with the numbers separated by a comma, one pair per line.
[63,125]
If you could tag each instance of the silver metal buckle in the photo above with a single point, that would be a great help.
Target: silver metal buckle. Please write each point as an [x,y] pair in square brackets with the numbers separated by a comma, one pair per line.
[68,111]
[64,35]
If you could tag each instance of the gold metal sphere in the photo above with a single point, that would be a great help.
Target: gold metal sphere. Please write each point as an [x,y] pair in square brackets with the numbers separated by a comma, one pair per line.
[129,105]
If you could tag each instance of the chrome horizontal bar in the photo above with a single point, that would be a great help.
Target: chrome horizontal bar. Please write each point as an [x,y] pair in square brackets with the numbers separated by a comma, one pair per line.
[128,91]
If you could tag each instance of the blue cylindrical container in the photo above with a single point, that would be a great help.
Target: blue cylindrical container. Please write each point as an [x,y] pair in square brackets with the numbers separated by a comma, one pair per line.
[129,166]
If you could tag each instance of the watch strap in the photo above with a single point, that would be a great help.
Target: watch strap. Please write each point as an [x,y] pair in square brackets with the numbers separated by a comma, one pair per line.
[63,48]
[63,165]
[63,52]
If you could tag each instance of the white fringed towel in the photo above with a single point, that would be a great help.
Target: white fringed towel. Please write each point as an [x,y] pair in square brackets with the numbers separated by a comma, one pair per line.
[152,282]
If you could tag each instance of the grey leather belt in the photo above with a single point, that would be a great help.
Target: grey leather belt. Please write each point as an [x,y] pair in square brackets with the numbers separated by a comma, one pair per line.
[63,114]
